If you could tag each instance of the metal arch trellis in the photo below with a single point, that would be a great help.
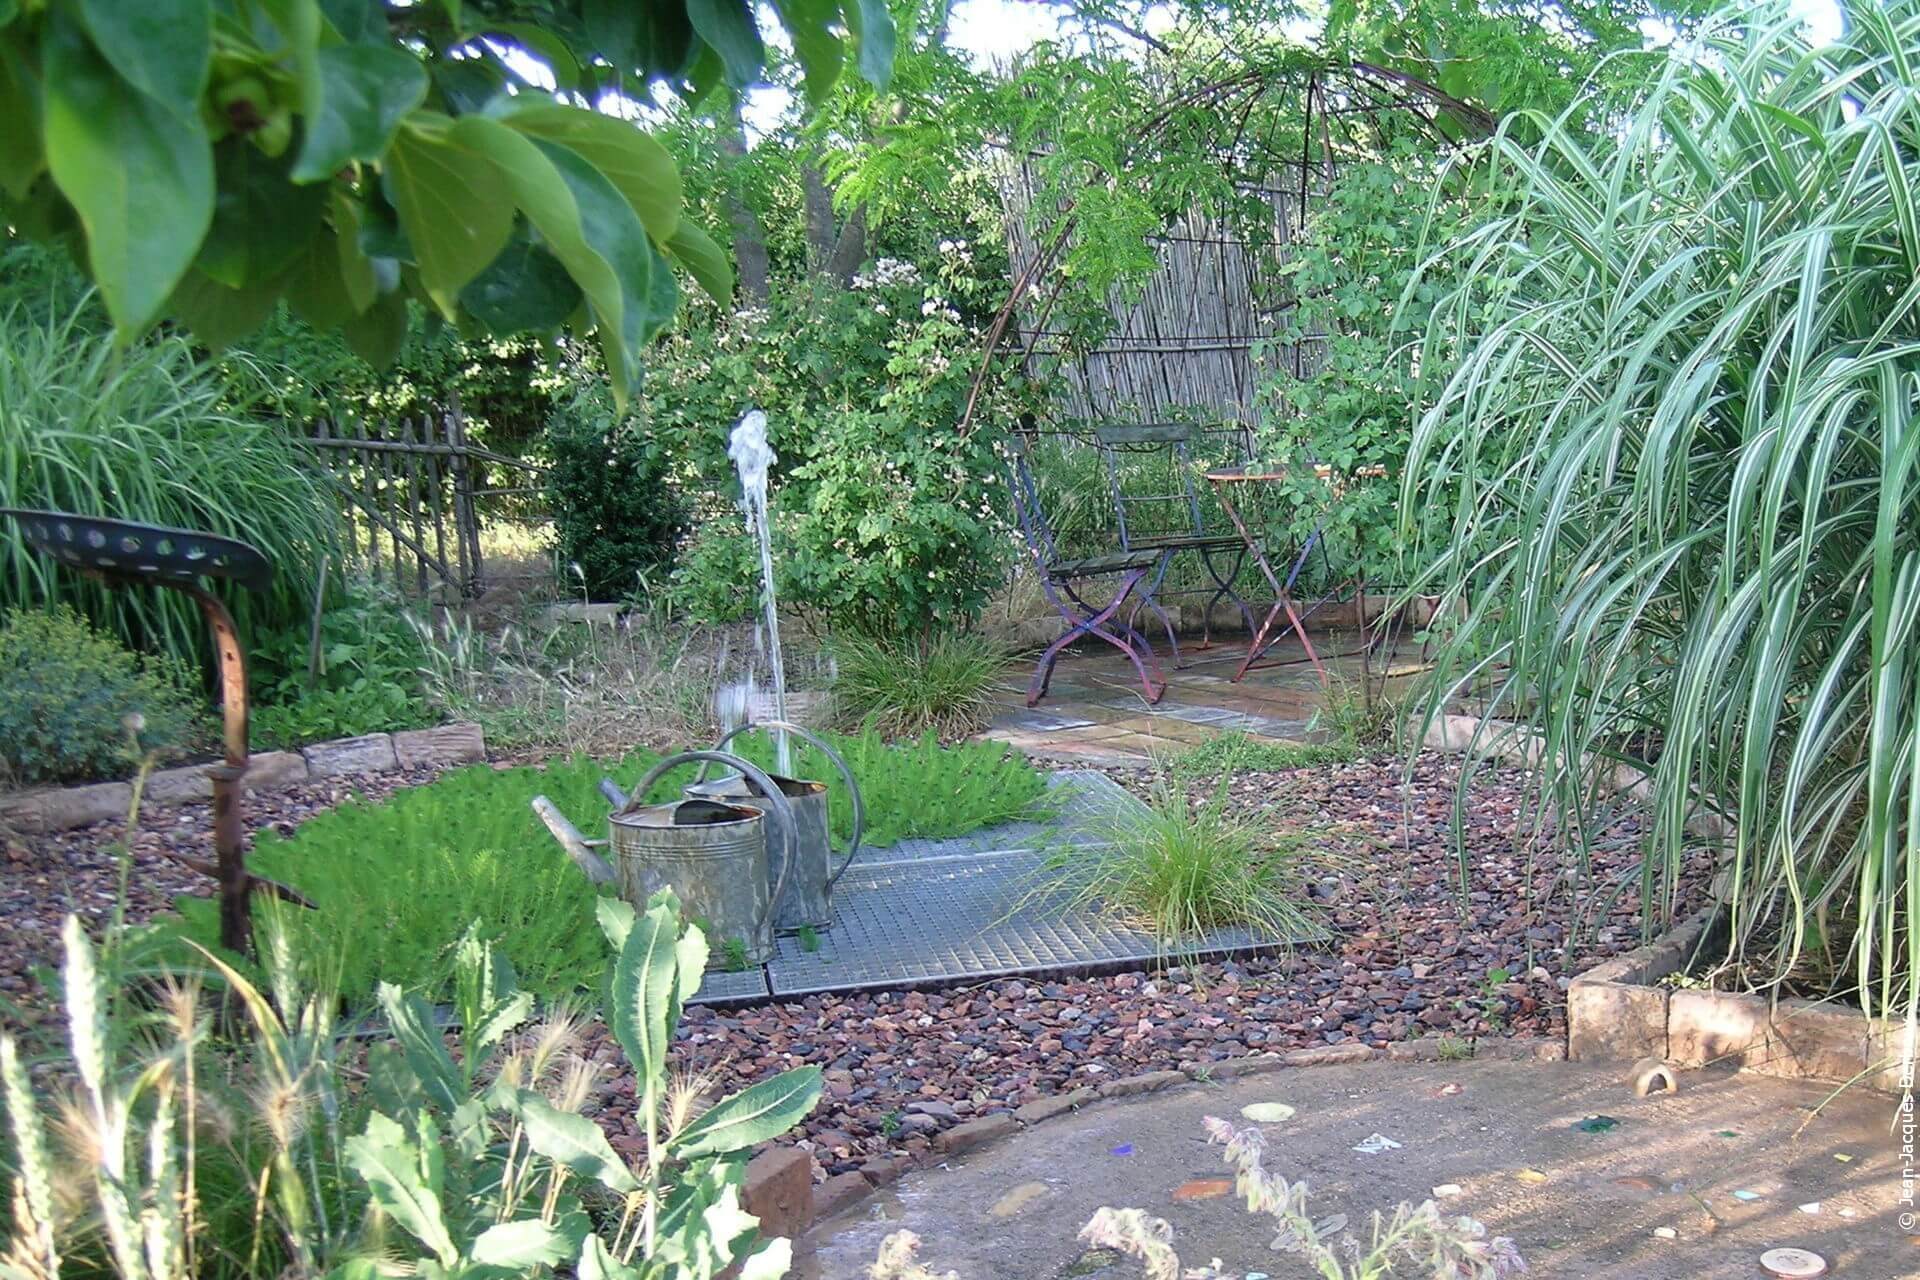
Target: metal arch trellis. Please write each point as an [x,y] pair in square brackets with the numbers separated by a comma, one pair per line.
[1186,341]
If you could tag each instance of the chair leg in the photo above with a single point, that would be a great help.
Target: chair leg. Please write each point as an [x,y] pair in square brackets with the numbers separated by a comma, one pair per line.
[1094,622]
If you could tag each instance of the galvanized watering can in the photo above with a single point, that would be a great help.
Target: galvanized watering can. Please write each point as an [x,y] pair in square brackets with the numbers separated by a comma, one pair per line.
[712,853]
[807,900]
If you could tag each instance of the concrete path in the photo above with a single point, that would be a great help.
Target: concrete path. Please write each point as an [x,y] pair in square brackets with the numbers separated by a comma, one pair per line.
[1578,1204]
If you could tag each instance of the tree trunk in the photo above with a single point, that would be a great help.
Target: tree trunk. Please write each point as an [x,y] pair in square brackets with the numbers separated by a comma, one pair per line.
[749,241]
[822,234]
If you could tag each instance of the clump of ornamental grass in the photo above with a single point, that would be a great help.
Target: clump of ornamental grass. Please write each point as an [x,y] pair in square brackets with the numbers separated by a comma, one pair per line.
[905,688]
[1179,870]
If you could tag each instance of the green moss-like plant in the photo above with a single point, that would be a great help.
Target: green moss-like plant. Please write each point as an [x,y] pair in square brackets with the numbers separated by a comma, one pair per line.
[395,883]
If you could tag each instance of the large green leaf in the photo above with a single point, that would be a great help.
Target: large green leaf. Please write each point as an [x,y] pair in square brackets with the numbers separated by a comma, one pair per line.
[220,316]
[140,177]
[524,290]
[21,159]
[810,23]
[706,261]
[405,1178]
[641,168]
[523,1247]
[753,1115]
[591,228]
[365,92]
[454,206]
[572,1140]
[160,47]
[728,26]
[871,24]
[316,285]
[411,1022]
[643,986]
[597,1264]
[357,271]
[261,220]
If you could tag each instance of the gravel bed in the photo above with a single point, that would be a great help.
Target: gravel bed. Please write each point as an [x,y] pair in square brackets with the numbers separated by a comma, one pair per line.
[1413,957]
[47,876]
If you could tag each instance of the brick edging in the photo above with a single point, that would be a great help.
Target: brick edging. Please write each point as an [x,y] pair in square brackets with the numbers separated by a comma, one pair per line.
[50,809]
[1624,1009]
[842,1191]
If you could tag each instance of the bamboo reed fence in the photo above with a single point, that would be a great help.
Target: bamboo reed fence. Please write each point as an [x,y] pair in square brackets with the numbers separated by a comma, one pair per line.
[1182,346]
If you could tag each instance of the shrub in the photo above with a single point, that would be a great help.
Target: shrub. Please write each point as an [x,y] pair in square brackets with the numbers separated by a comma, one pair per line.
[615,515]
[148,433]
[1180,870]
[943,685]
[70,689]
[886,518]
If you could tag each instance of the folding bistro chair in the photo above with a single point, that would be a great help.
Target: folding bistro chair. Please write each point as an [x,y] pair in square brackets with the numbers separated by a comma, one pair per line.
[1159,455]
[1063,581]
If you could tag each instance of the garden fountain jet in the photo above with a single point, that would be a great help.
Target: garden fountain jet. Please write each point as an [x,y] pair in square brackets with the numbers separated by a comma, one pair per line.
[125,555]
[753,458]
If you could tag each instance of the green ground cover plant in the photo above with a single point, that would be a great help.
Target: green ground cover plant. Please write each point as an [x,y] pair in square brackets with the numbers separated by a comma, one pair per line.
[393,881]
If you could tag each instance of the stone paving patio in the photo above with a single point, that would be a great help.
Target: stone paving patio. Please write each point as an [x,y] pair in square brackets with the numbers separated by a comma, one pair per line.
[1094,712]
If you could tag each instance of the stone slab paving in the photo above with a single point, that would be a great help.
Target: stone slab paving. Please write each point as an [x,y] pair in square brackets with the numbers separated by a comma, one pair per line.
[1094,710]
[1693,1186]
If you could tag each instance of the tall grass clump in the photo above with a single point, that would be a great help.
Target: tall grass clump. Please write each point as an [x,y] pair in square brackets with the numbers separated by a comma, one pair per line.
[147,433]
[1677,471]
[1179,869]
[907,687]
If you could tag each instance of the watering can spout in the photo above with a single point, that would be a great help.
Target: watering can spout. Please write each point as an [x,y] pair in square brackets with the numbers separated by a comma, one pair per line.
[577,846]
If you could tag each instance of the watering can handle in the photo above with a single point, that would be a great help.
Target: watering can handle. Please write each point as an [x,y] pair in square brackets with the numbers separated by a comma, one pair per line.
[638,796]
[853,788]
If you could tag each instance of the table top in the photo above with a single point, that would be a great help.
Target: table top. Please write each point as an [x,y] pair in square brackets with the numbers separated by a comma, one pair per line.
[1268,474]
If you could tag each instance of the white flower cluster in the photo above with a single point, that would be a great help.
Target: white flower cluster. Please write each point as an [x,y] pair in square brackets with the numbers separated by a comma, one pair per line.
[957,249]
[936,306]
[887,271]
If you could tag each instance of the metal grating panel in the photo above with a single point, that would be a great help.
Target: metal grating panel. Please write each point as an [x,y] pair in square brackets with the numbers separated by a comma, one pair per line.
[721,986]
[968,916]
[925,911]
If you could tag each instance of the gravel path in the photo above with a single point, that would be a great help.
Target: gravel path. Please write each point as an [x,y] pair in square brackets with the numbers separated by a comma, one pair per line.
[1413,958]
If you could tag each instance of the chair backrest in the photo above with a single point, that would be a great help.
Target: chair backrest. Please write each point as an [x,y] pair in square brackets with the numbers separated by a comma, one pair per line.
[1028,513]
[1150,475]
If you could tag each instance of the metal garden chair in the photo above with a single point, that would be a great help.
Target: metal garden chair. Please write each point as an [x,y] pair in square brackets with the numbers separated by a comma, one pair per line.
[1063,579]
[1160,456]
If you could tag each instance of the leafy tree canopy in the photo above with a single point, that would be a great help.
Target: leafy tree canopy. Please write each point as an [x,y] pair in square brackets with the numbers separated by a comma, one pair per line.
[205,159]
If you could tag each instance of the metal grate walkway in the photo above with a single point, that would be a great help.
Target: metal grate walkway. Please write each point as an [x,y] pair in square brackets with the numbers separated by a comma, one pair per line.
[924,912]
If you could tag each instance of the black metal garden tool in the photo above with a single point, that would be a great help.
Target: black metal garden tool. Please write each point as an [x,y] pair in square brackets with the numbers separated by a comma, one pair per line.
[126,555]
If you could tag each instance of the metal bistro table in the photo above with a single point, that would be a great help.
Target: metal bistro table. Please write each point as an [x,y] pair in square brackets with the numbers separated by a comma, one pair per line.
[1226,482]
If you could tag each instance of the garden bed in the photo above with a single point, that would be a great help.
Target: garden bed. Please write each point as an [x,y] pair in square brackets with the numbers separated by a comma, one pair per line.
[1414,960]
